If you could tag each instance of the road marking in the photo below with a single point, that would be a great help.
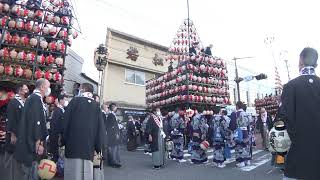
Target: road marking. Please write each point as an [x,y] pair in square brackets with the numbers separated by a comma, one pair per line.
[262,160]
[186,155]
[231,160]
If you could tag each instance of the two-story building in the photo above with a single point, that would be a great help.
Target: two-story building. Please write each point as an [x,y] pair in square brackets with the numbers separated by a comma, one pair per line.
[131,62]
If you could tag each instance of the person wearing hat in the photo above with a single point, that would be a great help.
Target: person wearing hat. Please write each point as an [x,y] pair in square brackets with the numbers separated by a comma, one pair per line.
[82,135]
[299,109]
[113,137]
[199,133]
[156,138]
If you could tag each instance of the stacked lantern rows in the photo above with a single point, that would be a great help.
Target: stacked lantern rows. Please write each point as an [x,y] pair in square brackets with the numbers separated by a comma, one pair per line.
[201,80]
[185,37]
[34,39]
[270,103]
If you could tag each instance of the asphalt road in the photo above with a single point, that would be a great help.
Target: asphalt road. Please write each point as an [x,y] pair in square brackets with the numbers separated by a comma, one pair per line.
[138,166]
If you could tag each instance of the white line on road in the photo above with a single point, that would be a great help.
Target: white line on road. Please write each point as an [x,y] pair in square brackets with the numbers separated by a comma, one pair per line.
[231,160]
[265,158]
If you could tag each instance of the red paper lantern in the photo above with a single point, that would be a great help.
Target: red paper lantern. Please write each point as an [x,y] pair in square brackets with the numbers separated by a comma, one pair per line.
[218,62]
[191,97]
[183,88]
[4,53]
[31,14]
[24,12]
[33,42]
[48,75]
[49,59]
[65,20]
[38,14]
[13,54]
[200,88]
[226,100]
[30,57]
[18,71]
[24,40]
[3,21]
[6,7]
[205,89]
[199,79]
[52,46]
[36,28]
[28,26]
[20,25]
[63,34]
[53,31]
[15,9]
[56,19]
[49,18]
[43,44]
[46,30]
[8,70]
[38,74]
[194,87]
[61,47]
[214,99]
[7,37]
[57,77]
[27,73]
[12,24]
[204,80]
[22,56]
[15,39]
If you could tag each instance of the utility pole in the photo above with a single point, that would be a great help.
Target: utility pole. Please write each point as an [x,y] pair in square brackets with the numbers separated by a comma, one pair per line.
[237,79]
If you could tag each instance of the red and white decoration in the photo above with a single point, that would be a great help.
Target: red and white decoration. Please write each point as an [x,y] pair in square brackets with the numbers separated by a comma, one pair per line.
[198,79]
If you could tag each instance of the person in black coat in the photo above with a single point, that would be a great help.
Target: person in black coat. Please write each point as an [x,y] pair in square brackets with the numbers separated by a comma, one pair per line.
[138,131]
[208,52]
[56,126]
[82,134]
[131,134]
[264,124]
[104,113]
[300,102]
[32,131]
[14,113]
[113,137]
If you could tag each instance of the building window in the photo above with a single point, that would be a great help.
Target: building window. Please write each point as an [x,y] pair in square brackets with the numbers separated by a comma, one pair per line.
[135,77]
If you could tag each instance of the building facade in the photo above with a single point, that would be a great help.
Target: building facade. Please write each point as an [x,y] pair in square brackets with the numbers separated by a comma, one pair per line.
[73,75]
[132,61]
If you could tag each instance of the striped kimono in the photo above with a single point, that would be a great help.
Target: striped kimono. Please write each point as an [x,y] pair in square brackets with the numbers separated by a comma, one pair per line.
[177,125]
[243,148]
[199,133]
[220,137]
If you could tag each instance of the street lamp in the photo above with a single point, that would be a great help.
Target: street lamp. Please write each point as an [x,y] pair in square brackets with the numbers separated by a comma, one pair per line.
[101,61]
